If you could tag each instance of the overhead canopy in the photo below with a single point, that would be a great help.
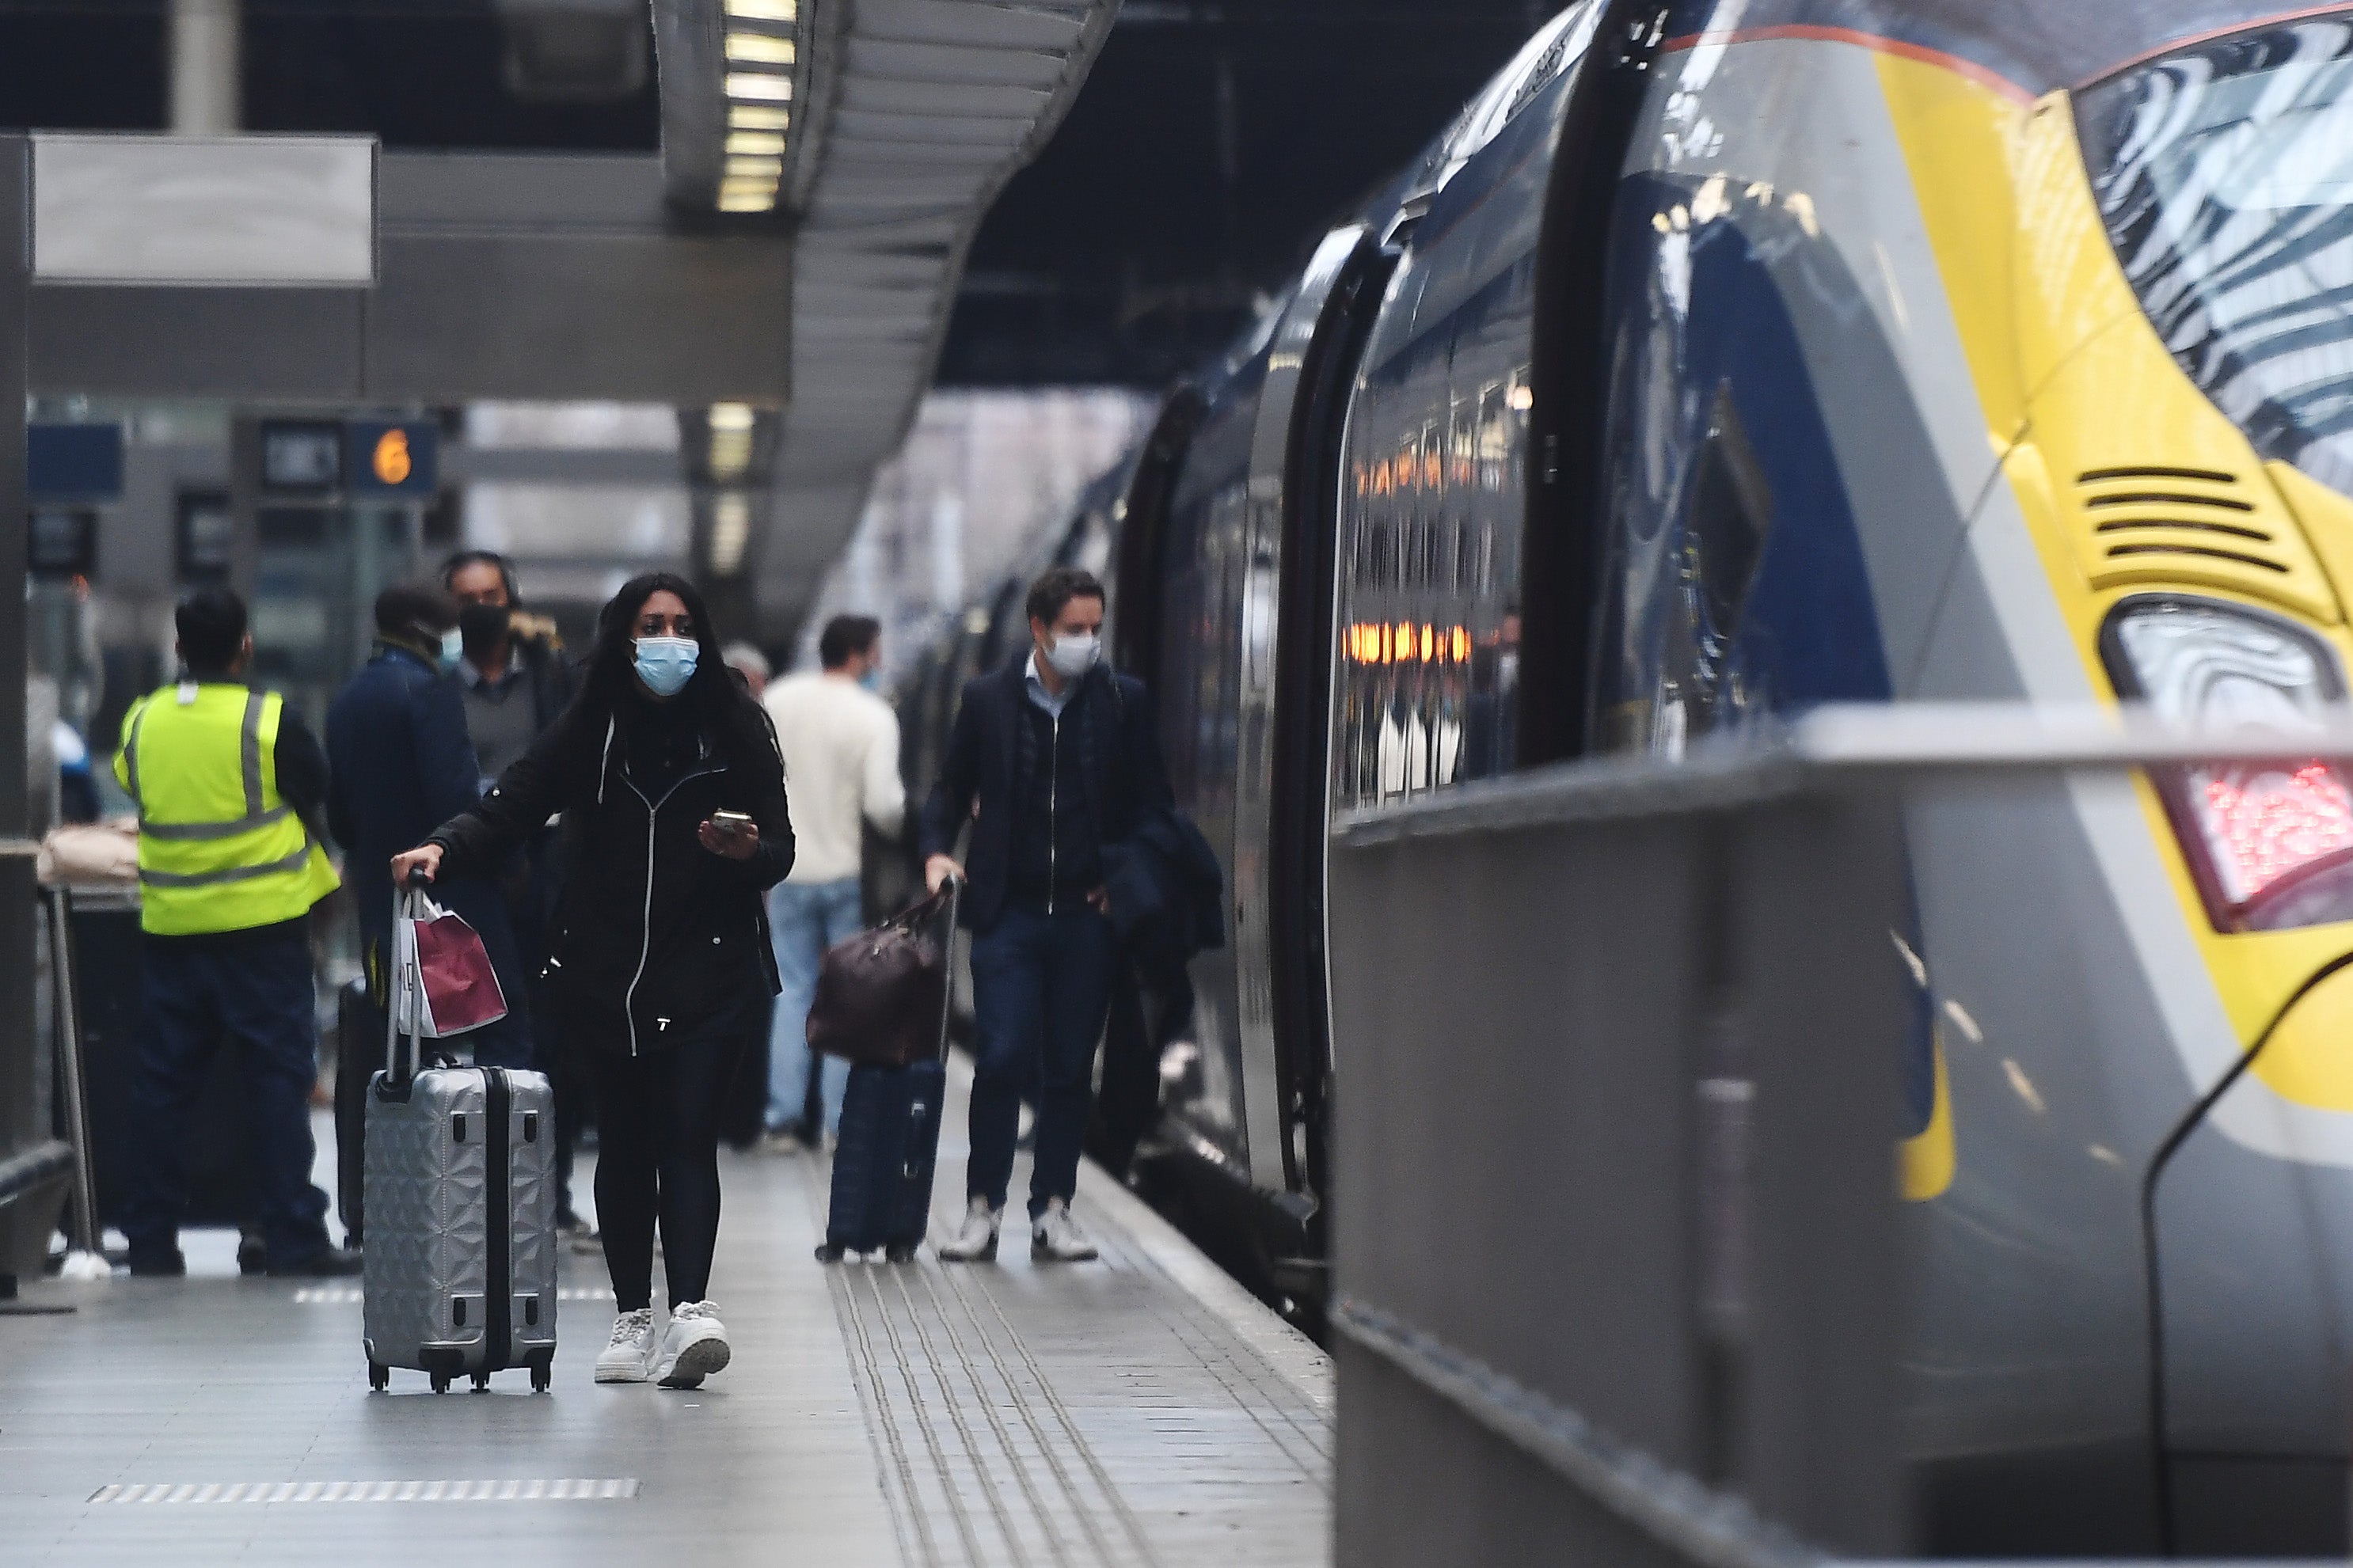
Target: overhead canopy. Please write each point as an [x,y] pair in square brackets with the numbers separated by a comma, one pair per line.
[797,246]
[906,117]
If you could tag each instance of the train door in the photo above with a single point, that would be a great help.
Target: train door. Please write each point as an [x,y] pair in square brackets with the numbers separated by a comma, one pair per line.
[1346,282]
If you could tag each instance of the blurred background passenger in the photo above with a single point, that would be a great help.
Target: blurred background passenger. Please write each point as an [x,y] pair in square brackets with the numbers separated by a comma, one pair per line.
[751,664]
[228,784]
[77,788]
[402,765]
[516,679]
[840,744]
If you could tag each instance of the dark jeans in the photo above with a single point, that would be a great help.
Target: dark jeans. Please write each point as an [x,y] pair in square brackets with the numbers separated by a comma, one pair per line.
[1040,986]
[257,988]
[658,1160]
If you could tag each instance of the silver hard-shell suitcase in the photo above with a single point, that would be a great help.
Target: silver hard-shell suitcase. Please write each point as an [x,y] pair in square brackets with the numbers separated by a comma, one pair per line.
[460,1202]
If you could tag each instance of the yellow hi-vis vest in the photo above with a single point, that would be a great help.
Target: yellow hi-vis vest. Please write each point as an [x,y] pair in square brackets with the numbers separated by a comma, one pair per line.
[219,849]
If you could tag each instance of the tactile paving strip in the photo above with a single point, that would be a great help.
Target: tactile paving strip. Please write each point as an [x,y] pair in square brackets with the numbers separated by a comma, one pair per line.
[1069,1415]
[570,1489]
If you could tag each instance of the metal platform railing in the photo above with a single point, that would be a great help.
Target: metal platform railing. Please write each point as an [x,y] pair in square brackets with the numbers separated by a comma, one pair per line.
[1616,1262]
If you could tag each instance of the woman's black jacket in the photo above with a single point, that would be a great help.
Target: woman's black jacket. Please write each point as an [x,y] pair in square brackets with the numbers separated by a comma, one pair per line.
[656,938]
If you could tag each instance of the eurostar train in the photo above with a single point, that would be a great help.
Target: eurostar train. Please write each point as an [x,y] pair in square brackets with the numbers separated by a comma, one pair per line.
[1730,356]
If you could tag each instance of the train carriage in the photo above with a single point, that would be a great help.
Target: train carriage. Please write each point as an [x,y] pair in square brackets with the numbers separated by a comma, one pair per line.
[1727,357]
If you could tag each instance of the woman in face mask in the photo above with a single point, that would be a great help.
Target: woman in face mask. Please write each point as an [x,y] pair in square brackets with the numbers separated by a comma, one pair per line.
[672,796]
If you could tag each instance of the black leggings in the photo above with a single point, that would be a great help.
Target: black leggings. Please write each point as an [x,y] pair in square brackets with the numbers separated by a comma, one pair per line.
[657,1156]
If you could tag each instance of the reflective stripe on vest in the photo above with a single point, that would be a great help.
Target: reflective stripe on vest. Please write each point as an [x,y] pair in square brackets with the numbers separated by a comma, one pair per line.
[218,848]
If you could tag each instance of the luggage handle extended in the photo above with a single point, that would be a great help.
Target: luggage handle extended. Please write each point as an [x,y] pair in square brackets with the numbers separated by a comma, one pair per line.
[953,887]
[951,894]
[408,903]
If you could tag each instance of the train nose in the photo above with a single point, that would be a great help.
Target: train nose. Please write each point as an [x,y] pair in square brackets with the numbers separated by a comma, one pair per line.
[2252,1222]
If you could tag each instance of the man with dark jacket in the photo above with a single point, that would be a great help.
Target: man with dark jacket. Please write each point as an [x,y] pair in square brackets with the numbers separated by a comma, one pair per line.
[516,681]
[1055,760]
[401,766]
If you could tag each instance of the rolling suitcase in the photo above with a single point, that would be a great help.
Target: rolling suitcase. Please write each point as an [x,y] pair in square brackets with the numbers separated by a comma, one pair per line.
[359,1024]
[888,1145]
[461,1206]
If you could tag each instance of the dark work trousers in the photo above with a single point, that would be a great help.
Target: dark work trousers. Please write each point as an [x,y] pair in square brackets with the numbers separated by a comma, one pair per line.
[1041,987]
[255,987]
[657,1160]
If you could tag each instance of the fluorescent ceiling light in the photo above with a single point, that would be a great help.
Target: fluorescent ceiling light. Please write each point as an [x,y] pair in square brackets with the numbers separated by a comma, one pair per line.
[770,170]
[730,417]
[764,10]
[754,145]
[758,117]
[747,200]
[731,534]
[760,49]
[766,89]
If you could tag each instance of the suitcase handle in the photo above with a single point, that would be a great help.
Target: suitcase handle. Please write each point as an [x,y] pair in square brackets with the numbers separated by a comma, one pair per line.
[408,903]
[953,887]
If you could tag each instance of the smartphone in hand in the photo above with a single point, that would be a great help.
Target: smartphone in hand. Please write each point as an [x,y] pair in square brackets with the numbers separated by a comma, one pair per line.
[732,822]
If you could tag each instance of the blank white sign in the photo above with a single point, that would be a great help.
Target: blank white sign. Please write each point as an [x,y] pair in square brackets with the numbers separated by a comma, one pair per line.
[254,210]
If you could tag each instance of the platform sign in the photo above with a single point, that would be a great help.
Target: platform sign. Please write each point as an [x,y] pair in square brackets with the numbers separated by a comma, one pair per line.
[73,462]
[384,458]
[302,456]
[252,211]
[61,543]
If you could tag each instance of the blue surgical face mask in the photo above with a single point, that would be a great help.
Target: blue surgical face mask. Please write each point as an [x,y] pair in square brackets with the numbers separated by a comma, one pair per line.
[453,649]
[871,680]
[666,664]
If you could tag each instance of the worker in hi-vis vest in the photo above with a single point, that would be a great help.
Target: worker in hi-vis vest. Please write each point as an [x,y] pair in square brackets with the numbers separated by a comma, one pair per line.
[229,785]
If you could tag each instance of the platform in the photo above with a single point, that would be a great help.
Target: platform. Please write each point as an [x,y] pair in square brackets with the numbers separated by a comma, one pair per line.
[1142,1410]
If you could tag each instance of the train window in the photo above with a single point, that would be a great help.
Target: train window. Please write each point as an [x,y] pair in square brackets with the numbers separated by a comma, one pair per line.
[1428,657]
[2220,170]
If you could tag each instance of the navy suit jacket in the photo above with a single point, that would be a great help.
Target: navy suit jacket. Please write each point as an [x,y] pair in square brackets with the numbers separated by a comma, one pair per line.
[1126,781]
[400,764]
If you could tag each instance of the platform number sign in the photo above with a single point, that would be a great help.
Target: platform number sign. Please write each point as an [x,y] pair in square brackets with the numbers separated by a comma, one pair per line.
[389,459]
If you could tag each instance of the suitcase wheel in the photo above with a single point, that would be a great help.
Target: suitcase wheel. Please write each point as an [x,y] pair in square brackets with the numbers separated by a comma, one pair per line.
[542,1376]
[379,1376]
[441,1382]
[900,1252]
[829,1253]
[482,1382]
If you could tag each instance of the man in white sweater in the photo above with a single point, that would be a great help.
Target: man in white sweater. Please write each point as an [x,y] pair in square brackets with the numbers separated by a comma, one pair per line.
[841,767]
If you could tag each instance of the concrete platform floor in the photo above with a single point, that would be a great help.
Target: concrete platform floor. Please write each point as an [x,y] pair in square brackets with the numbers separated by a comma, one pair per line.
[1142,1410]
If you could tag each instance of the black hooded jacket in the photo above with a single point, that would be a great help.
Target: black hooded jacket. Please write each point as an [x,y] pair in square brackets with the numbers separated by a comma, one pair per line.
[655,936]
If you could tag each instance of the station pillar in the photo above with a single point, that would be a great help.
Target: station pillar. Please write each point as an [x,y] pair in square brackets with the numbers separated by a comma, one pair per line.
[29,1176]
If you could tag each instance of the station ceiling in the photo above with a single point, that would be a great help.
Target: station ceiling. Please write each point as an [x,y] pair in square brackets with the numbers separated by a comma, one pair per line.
[570,163]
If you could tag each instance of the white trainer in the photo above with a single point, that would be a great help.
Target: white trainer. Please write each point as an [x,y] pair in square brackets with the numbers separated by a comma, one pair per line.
[976,1240]
[624,1359]
[694,1346]
[1055,1236]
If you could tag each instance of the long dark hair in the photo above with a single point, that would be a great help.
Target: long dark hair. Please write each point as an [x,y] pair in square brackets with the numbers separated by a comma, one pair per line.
[612,691]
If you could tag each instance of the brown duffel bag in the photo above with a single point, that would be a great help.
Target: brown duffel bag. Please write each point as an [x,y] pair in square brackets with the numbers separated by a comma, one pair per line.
[882,995]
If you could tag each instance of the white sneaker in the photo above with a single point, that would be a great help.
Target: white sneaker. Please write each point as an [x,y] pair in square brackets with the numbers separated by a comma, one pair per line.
[624,1359]
[1056,1236]
[694,1348]
[975,1242]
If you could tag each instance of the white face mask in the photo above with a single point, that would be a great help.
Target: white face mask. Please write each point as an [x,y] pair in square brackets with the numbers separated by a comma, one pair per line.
[1073,656]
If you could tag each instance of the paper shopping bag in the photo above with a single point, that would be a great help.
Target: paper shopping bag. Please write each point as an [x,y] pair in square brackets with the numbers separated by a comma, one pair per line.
[446,983]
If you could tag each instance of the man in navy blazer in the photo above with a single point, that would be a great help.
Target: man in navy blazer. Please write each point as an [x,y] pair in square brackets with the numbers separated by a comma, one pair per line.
[400,763]
[1055,762]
